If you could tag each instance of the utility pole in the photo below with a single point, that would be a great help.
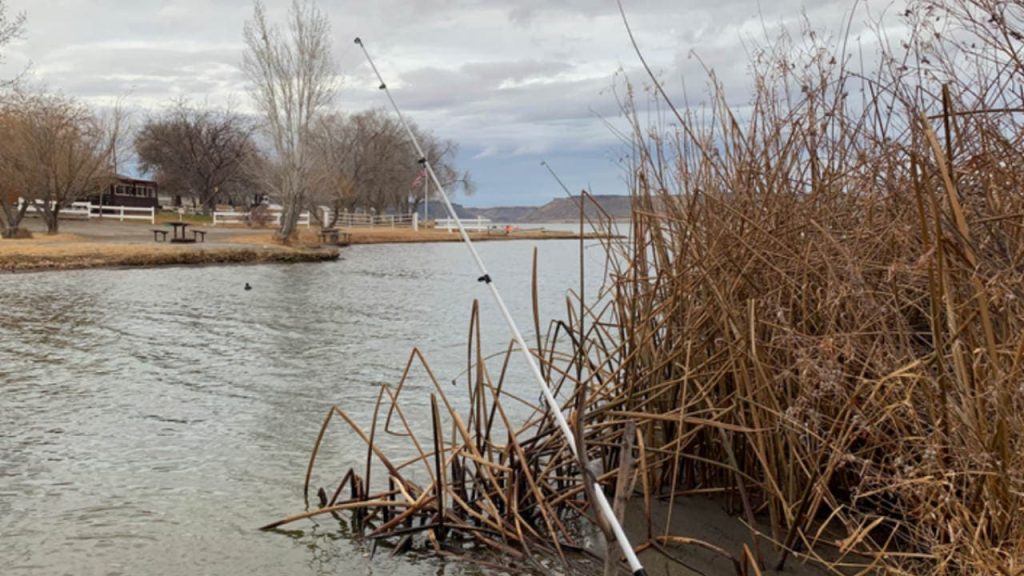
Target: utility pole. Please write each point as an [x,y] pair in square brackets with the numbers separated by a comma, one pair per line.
[113,186]
[426,196]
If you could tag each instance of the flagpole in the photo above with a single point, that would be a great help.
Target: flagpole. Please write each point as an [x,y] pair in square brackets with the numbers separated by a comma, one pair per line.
[603,507]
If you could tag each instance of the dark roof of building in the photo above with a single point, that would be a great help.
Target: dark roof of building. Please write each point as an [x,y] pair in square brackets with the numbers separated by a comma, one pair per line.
[129,180]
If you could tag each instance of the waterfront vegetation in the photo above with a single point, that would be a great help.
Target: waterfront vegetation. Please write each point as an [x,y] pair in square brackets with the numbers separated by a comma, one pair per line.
[817,322]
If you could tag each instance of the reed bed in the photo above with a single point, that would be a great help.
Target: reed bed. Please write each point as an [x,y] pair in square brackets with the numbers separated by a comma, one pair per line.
[817,320]
[477,480]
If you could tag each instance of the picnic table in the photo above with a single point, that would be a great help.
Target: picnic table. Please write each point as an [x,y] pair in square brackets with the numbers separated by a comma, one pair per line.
[334,236]
[179,233]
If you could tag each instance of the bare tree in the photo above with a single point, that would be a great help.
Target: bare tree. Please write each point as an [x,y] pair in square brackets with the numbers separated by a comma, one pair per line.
[57,151]
[10,28]
[386,162]
[292,80]
[202,152]
[441,154]
[334,166]
[14,170]
[366,161]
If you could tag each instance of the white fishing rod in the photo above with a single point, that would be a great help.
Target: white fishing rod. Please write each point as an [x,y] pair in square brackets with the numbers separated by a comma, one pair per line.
[602,502]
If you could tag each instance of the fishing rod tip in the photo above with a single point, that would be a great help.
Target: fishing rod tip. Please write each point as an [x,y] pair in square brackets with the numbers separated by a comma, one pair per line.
[359,40]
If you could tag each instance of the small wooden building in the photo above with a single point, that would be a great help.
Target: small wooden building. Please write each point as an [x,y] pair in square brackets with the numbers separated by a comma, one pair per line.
[129,192]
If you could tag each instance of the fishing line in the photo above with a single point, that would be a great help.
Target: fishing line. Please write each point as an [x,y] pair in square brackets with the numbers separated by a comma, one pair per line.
[602,501]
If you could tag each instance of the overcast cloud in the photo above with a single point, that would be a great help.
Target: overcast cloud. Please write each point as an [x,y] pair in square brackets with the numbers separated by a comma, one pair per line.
[512,82]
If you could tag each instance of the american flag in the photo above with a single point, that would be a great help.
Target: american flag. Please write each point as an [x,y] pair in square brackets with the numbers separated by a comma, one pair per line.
[419,178]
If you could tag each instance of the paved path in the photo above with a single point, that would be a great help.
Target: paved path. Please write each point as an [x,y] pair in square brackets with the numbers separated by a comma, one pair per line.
[107,230]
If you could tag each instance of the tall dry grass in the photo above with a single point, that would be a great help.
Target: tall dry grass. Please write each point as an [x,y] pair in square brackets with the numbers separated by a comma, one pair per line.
[831,274]
[818,319]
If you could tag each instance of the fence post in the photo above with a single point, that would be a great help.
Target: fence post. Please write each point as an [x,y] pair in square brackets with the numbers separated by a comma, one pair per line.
[415,221]
[152,215]
[122,213]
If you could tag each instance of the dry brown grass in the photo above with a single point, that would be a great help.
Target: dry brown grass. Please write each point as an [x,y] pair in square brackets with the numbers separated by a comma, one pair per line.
[819,318]
[836,286]
[401,236]
[37,238]
[50,253]
[64,251]
[310,237]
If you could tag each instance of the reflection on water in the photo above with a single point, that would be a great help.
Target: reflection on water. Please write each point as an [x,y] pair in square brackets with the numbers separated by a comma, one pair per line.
[150,419]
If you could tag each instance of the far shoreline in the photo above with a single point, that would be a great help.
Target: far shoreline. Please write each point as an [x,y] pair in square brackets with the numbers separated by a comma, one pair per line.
[116,245]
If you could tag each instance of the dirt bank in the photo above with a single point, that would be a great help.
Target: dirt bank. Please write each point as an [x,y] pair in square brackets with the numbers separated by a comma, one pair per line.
[310,237]
[96,244]
[32,255]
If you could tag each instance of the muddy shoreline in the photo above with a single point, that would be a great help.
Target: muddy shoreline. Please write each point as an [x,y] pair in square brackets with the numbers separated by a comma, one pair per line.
[16,263]
[121,245]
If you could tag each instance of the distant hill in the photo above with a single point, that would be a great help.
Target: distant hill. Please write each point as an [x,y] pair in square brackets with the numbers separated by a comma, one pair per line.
[568,210]
[438,211]
[558,210]
[504,214]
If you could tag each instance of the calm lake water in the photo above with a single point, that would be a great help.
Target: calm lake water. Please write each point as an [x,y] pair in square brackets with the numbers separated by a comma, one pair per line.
[152,419]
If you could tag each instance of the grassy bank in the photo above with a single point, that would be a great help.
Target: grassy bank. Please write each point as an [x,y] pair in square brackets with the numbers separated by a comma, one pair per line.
[384,236]
[310,237]
[64,254]
[98,244]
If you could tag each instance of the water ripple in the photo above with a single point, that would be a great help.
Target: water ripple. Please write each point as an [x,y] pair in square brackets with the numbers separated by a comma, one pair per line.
[151,418]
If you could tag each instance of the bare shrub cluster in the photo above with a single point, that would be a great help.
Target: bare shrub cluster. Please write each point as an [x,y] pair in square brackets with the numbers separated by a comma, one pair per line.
[835,272]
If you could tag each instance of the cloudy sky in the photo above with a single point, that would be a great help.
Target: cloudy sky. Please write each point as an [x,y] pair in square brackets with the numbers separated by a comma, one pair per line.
[513,82]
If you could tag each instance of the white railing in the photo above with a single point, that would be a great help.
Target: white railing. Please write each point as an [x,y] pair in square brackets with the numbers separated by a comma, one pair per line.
[354,220]
[480,224]
[89,210]
[78,210]
[123,213]
[273,218]
[230,218]
[34,207]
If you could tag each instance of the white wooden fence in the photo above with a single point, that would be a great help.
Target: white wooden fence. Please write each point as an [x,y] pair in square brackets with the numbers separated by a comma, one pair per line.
[89,210]
[77,210]
[273,218]
[230,218]
[345,219]
[479,224]
[352,220]
[123,213]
